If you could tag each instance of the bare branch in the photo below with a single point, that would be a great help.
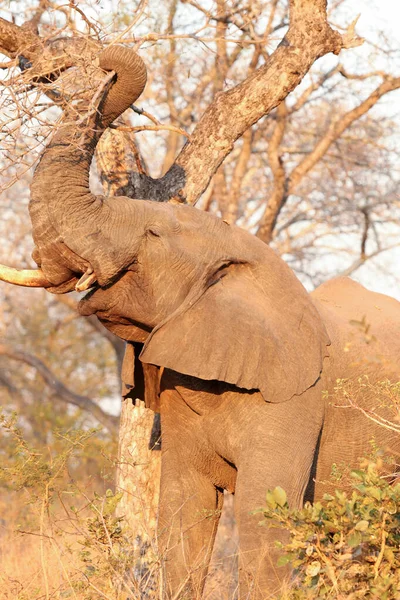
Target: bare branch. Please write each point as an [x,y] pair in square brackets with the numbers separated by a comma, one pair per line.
[286,185]
[159,127]
[232,112]
[15,40]
[237,178]
[64,393]
[337,127]
[363,258]
[280,182]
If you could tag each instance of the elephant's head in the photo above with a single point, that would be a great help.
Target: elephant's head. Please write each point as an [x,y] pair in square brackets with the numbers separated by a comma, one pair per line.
[212,301]
[207,299]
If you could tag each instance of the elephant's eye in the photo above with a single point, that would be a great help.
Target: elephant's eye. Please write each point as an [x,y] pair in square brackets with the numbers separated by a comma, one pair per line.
[222,271]
[153,231]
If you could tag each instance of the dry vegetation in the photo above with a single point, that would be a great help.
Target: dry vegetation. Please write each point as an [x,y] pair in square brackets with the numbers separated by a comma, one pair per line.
[60,537]
[317,178]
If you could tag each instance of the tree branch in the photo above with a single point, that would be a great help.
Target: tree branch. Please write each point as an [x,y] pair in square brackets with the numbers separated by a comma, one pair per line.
[228,116]
[232,112]
[237,177]
[337,127]
[16,40]
[280,183]
[283,187]
[64,393]
[362,259]
[46,57]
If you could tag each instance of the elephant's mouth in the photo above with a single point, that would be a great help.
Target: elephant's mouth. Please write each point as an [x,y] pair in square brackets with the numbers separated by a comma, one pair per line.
[103,300]
[97,302]
[104,303]
[125,329]
[85,300]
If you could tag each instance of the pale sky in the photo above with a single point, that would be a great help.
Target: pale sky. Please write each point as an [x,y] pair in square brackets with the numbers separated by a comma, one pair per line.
[379,13]
[378,16]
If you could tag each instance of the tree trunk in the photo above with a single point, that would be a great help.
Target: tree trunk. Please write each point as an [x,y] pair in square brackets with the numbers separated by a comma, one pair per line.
[138,473]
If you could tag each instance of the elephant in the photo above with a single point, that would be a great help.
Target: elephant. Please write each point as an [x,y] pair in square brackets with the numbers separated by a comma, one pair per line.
[248,360]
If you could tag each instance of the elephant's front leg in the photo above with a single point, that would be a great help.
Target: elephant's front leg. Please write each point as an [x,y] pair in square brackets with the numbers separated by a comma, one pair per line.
[188,518]
[283,442]
[190,505]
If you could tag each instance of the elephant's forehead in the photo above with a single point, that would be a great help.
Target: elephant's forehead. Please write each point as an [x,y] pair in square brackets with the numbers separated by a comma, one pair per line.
[188,219]
[174,215]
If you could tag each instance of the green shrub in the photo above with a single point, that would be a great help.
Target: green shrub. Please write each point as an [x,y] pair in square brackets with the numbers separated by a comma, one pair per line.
[347,545]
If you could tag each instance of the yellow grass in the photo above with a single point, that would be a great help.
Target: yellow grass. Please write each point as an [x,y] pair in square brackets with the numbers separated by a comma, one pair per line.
[49,552]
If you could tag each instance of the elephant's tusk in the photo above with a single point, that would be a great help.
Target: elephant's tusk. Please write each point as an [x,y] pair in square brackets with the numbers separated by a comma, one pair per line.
[86,281]
[24,277]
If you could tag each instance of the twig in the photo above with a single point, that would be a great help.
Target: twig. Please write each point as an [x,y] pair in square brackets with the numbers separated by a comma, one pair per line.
[9,64]
[144,113]
[139,13]
[151,128]
[90,25]
[382,550]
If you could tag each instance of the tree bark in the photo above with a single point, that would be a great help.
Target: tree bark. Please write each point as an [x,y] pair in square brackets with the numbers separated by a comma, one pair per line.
[138,472]
[139,464]
[229,115]
[232,112]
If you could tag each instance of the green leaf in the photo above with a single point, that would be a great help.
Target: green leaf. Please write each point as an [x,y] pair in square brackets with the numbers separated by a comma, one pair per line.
[310,550]
[328,497]
[374,492]
[283,560]
[362,525]
[391,507]
[357,474]
[313,568]
[330,527]
[279,495]
[271,502]
[389,555]
[354,539]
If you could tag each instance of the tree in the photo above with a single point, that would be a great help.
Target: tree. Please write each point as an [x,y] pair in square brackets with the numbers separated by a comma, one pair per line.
[297,178]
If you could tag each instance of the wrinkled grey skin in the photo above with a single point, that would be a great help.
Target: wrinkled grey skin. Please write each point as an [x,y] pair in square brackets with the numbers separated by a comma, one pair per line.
[246,352]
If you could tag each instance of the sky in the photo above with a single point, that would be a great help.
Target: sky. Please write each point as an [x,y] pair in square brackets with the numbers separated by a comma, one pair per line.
[377,13]
[377,16]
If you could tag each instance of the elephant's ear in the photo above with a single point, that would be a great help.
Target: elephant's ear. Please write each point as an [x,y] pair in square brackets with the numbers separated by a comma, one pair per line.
[250,327]
[140,381]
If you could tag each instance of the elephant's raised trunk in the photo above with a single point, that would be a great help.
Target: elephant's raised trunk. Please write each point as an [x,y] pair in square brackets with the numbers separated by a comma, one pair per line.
[63,211]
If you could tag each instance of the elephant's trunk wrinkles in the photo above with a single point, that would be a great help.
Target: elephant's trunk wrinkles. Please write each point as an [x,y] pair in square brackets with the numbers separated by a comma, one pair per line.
[66,216]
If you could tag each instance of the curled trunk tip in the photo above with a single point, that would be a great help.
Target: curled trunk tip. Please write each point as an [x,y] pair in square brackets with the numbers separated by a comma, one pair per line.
[131,74]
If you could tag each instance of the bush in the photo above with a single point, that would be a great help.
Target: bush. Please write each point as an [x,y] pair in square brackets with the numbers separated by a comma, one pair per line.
[348,545]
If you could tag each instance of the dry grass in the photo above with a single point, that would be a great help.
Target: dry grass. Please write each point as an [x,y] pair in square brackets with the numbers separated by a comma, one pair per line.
[60,533]
[68,555]
[53,551]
